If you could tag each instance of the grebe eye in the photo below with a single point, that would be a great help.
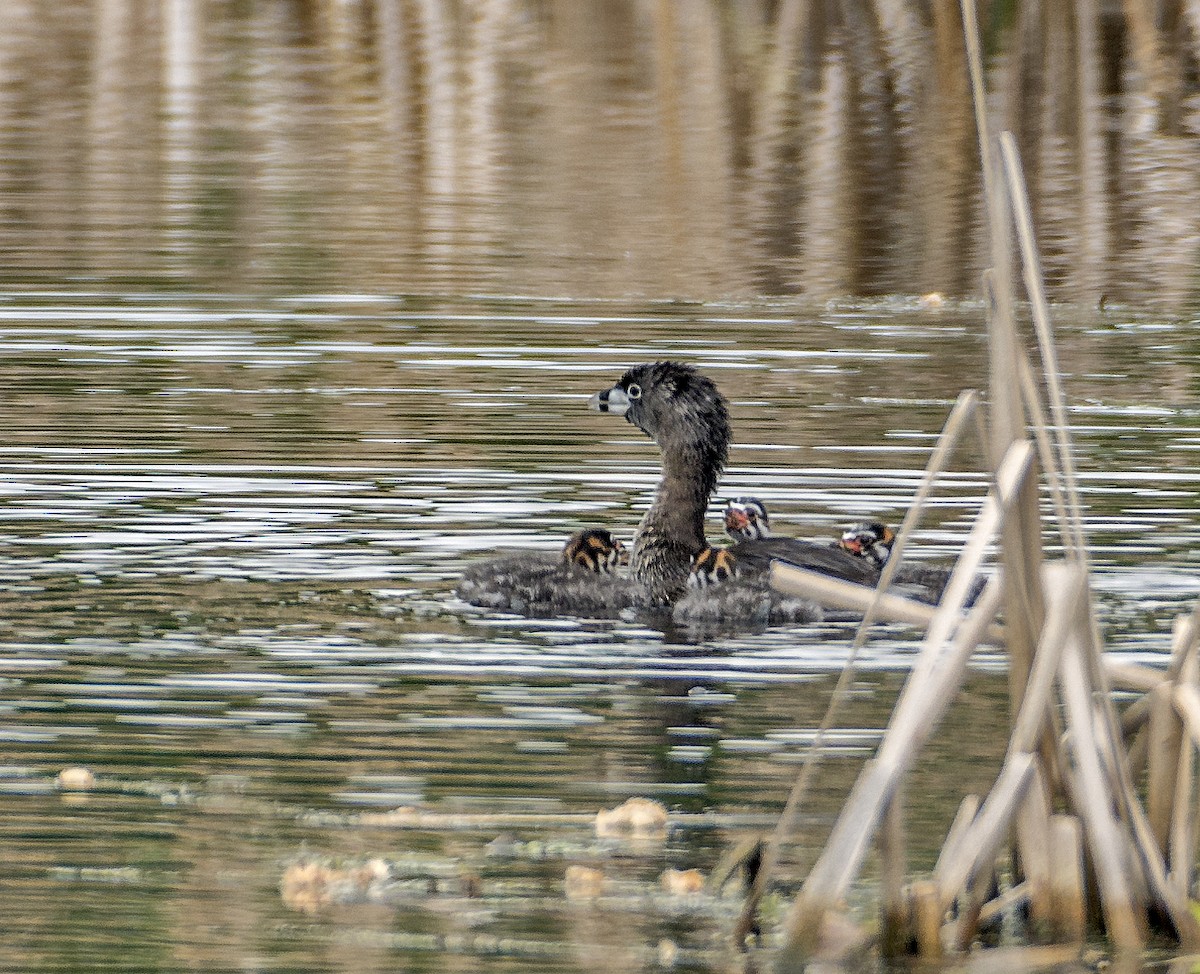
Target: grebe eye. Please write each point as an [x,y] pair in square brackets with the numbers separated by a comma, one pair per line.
[634,391]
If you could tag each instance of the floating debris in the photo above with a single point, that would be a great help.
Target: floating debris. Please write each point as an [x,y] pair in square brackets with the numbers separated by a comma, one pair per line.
[583,883]
[638,818]
[76,779]
[681,882]
[310,886]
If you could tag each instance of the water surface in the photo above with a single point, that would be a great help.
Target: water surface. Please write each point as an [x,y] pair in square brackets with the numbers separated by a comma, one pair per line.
[231,529]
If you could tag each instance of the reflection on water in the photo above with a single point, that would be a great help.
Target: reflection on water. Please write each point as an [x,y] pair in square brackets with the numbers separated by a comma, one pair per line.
[549,147]
[228,542]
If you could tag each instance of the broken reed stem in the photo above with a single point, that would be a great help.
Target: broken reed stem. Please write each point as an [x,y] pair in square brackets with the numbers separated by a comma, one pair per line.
[1068,913]
[1011,477]
[838,593]
[1032,827]
[1066,588]
[880,603]
[1149,853]
[989,828]
[921,707]
[1134,676]
[1004,902]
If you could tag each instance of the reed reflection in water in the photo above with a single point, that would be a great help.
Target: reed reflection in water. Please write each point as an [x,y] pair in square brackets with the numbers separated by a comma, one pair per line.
[629,148]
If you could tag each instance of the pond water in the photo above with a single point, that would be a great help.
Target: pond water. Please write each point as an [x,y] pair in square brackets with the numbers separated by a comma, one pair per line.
[231,530]
[300,306]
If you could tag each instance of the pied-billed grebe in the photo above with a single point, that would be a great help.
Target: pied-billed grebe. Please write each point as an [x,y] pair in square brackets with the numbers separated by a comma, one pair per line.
[746,519]
[871,540]
[596,550]
[682,411]
[580,580]
[718,596]
[711,566]
[685,414]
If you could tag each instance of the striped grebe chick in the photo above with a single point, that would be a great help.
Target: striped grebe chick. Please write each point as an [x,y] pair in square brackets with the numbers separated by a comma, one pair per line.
[871,540]
[595,550]
[746,519]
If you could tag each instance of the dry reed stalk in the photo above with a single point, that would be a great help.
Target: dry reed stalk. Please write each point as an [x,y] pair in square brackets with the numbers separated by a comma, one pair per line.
[1021,537]
[967,810]
[1005,901]
[1185,636]
[989,828]
[1166,735]
[960,932]
[906,734]
[1035,289]
[1032,825]
[1066,595]
[1134,676]
[838,593]
[873,603]
[1032,728]
[927,919]
[1175,907]
[964,410]
[1106,839]
[1150,854]
[922,702]
[1139,748]
[1181,846]
[971,903]
[1189,676]
[1046,452]
[1135,716]
[1068,915]
[1187,702]
[1129,676]
[1066,587]
[1011,476]
[893,905]
[1088,652]
[1051,733]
